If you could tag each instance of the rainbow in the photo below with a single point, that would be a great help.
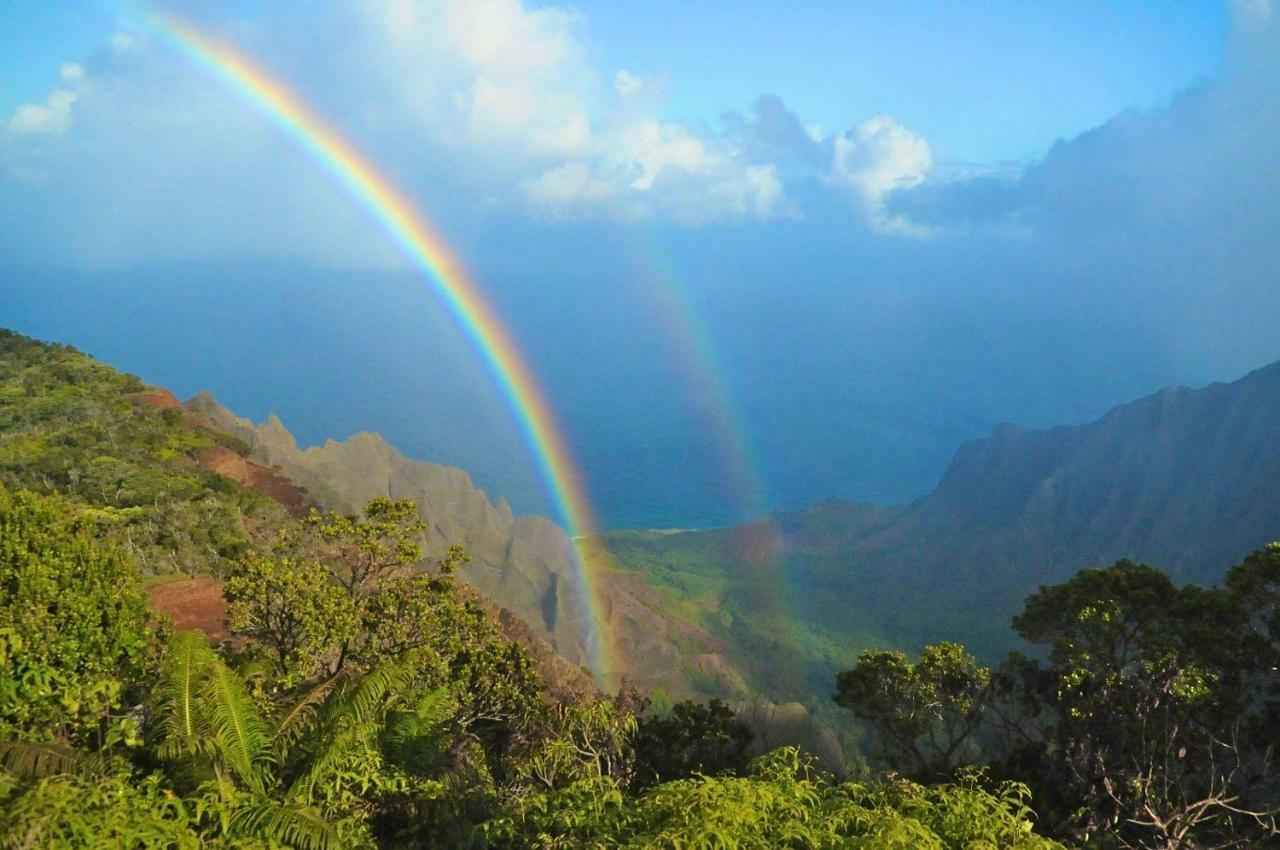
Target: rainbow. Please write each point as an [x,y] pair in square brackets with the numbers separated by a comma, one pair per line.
[428,253]
[693,343]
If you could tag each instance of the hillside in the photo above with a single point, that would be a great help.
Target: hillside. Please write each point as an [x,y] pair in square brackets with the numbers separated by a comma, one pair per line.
[523,563]
[1185,479]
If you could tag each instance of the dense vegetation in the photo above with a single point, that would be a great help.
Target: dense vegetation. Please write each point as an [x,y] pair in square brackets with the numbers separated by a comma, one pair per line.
[1149,718]
[369,699]
[73,426]
[369,703]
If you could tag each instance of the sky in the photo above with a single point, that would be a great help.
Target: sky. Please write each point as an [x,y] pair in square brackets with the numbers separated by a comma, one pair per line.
[902,221]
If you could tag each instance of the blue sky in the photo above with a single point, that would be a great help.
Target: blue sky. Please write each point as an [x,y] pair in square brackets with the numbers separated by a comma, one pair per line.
[983,81]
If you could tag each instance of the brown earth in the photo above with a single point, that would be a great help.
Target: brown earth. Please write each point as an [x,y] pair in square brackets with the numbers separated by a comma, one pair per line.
[194,603]
[256,477]
[157,397]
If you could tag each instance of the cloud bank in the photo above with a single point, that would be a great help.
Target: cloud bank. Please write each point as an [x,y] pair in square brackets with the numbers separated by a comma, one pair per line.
[487,103]
[477,106]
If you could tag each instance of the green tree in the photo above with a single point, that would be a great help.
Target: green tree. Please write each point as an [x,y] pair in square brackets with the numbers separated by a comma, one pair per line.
[781,802]
[692,737]
[76,638]
[1141,710]
[363,550]
[926,714]
[344,590]
[292,608]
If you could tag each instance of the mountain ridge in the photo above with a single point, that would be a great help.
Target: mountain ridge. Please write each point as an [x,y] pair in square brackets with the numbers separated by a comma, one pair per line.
[1185,479]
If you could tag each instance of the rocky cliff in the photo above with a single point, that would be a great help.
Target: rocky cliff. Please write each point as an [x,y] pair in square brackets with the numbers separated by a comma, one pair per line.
[525,564]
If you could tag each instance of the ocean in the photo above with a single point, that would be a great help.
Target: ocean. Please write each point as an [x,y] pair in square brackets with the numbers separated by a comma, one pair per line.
[696,406]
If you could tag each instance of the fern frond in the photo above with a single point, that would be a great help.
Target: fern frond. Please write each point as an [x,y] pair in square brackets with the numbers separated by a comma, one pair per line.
[414,740]
[34,760]
[287,824]
[291,725]
[353,720]
[369,696]
[342,741]
[236,730]
[187,661]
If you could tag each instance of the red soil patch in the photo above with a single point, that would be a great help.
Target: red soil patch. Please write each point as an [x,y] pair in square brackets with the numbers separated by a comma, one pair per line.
[256,477]
[157,397]
[194,603]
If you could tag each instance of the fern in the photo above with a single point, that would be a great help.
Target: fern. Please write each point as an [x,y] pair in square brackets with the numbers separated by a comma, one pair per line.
[206,710]
[237,731]
[34,760]
[287,824]
[185,669]
[353,720]
[293,723]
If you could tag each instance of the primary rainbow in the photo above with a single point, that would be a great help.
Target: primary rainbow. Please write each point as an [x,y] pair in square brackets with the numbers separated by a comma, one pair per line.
[428,253]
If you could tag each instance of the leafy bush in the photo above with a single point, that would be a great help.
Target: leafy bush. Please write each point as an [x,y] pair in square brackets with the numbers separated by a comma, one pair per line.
[76,638]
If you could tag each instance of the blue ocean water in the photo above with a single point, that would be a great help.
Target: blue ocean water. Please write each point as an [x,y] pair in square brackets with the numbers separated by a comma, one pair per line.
[838,389]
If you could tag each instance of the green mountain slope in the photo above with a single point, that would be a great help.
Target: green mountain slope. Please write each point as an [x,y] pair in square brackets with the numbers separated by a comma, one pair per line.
[1188,480]
[71,425]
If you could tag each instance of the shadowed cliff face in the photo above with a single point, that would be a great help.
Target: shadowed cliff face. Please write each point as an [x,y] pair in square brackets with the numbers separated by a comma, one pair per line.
[525,564]
[1185,479]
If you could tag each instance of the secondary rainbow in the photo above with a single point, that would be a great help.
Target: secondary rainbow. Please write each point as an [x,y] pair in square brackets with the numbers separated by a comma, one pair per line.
[427,252]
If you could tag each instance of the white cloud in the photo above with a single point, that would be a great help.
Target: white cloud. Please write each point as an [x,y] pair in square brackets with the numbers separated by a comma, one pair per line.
[53,116]
[876,157]
[470,105]
[567,187]
[513,87]
[626,83]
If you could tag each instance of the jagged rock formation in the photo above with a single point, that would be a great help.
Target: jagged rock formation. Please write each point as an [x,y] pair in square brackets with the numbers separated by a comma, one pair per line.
[1184,479]
[525,564]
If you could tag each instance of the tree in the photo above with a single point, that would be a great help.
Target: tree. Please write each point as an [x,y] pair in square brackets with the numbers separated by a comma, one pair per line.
[1143,706]
[364,550]
[691,738]
[344,589]
[76,638]
[292,607]
[925,714]
[781,802]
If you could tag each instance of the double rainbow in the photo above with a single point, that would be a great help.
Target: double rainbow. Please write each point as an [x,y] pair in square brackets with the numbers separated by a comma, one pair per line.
[428,253]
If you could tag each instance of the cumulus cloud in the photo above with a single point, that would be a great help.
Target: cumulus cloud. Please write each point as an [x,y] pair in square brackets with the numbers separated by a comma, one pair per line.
[514,84]
[477,104]
[1207,159]
[53,116]
[875,158]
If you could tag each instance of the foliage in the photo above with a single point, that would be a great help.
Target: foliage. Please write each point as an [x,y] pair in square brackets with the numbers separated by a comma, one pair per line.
[76,638]
[691,738]
[364,550]
[780,803]
[104,814]
[289,777]
[73,426]
[339,589]
[292,608]
[1147,723]
[1141,705]
[925,713]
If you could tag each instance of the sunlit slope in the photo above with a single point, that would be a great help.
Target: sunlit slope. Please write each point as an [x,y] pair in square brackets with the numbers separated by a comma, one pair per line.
[72,425]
